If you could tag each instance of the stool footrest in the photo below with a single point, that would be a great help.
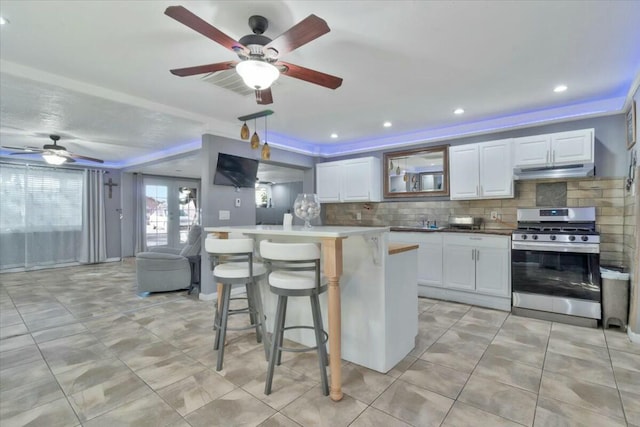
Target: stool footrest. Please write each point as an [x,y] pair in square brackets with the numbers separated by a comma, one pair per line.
[302,350]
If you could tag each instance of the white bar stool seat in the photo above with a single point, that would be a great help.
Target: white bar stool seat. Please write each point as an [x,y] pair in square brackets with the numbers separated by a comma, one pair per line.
[295,271]
[232,264]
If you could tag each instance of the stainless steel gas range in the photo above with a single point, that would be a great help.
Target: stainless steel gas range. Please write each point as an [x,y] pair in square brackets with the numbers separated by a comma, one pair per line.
[555,265]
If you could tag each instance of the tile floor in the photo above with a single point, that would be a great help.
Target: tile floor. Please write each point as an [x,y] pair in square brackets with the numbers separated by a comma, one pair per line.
[77,347]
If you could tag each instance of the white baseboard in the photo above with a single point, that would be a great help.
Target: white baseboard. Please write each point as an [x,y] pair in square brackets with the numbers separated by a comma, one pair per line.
[118,259]
[633,336]
[207,297]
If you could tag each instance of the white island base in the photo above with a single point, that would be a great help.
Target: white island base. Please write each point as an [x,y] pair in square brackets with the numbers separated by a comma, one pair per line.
[379,304]
[378,291]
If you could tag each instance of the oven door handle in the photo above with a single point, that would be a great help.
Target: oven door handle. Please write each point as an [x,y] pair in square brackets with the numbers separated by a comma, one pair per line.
[582,248]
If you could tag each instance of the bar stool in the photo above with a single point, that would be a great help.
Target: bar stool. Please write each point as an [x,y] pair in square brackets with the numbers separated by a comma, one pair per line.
[294,272]
[232,264]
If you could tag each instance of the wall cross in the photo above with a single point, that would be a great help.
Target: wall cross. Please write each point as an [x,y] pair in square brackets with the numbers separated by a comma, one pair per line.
[110,184]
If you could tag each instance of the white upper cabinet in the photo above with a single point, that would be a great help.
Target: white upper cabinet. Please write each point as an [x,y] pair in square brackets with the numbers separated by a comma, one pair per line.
[479,171]
[570,148]
[328,180]
[464,171]
[556,149]
[496,172]
[353,180]
[532,151]
[362,180]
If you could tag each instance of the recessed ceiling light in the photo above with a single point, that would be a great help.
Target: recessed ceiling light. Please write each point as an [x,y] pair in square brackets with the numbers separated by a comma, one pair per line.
[560,88]
[387,124]
[334,135]
[3,21]
[458,111]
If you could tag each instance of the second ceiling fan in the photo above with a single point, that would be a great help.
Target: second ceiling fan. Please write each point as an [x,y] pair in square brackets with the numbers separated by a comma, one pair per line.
[259,64]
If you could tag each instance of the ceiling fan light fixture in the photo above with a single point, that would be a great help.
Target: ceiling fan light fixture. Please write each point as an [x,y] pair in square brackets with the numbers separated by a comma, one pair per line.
[54,159]
[258,75]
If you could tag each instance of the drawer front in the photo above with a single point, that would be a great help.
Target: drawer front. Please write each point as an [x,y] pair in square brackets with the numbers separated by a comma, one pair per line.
[477,240]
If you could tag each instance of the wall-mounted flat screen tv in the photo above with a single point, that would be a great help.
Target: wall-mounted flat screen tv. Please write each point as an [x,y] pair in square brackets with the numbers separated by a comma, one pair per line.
[235,171]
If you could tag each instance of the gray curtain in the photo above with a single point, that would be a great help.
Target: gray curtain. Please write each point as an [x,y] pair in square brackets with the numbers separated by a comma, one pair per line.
[94,242]
[140,214]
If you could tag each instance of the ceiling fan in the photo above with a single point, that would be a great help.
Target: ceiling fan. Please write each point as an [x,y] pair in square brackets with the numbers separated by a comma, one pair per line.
[259,64]
[53,153]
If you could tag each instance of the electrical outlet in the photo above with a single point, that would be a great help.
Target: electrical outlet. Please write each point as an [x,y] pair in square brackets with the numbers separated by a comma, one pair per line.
[238,202]
[494,216]
[358,216]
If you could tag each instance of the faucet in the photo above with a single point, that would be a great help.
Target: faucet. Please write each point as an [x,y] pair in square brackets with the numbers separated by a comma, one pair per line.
[426,223]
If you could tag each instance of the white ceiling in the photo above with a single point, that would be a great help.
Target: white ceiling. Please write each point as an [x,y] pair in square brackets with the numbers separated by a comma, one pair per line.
[97,72]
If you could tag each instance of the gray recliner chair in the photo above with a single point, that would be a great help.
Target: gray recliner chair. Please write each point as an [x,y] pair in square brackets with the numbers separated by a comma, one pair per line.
[169,269]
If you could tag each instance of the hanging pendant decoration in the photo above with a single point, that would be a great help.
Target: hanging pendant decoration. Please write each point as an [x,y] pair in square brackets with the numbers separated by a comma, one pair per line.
[266,152]
[244,131]
[255,139]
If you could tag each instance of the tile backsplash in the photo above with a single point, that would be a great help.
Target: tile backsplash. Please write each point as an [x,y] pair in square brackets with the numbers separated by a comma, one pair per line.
[614,211]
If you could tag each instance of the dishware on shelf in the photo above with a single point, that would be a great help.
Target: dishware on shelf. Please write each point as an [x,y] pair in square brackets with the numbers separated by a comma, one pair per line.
[307,207]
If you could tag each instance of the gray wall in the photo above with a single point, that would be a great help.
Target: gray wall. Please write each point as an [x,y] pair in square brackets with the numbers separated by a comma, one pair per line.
[127,195]
[610,141]
[282,196]
[634,246]
[215,198]
[112,208]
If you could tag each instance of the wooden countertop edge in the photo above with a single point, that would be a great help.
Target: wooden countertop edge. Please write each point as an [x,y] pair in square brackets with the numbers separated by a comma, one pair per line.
[397,248]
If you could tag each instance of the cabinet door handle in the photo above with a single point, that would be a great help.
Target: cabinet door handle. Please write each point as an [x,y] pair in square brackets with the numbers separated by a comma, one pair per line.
[477,254]
[553,157]
[473,254]
[547,158]
[481,190]
[477,190]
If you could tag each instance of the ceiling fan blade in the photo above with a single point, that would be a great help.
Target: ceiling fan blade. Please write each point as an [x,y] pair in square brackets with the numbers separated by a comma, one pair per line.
[26,152]
[264,97]
[192,21]
[25,149]
[77,156]
[311,76]
[201,69]
[300,34]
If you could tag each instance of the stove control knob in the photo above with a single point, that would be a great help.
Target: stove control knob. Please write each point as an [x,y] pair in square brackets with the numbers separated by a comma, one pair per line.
[524,237]
[534,237]
[572,238]
[585,238]
[552,237]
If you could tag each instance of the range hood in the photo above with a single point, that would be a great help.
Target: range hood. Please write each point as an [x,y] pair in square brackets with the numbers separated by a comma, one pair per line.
[567,171]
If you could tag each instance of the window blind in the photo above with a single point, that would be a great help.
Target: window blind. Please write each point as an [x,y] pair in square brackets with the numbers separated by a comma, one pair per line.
[36,199]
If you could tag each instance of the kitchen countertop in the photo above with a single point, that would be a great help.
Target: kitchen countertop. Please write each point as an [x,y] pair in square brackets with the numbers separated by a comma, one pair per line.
[498,231]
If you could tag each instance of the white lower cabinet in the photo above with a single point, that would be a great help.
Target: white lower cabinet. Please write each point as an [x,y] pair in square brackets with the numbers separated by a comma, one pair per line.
[471,268]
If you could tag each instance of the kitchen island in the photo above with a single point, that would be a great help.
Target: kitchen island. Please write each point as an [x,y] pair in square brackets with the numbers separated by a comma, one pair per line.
[371,306]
